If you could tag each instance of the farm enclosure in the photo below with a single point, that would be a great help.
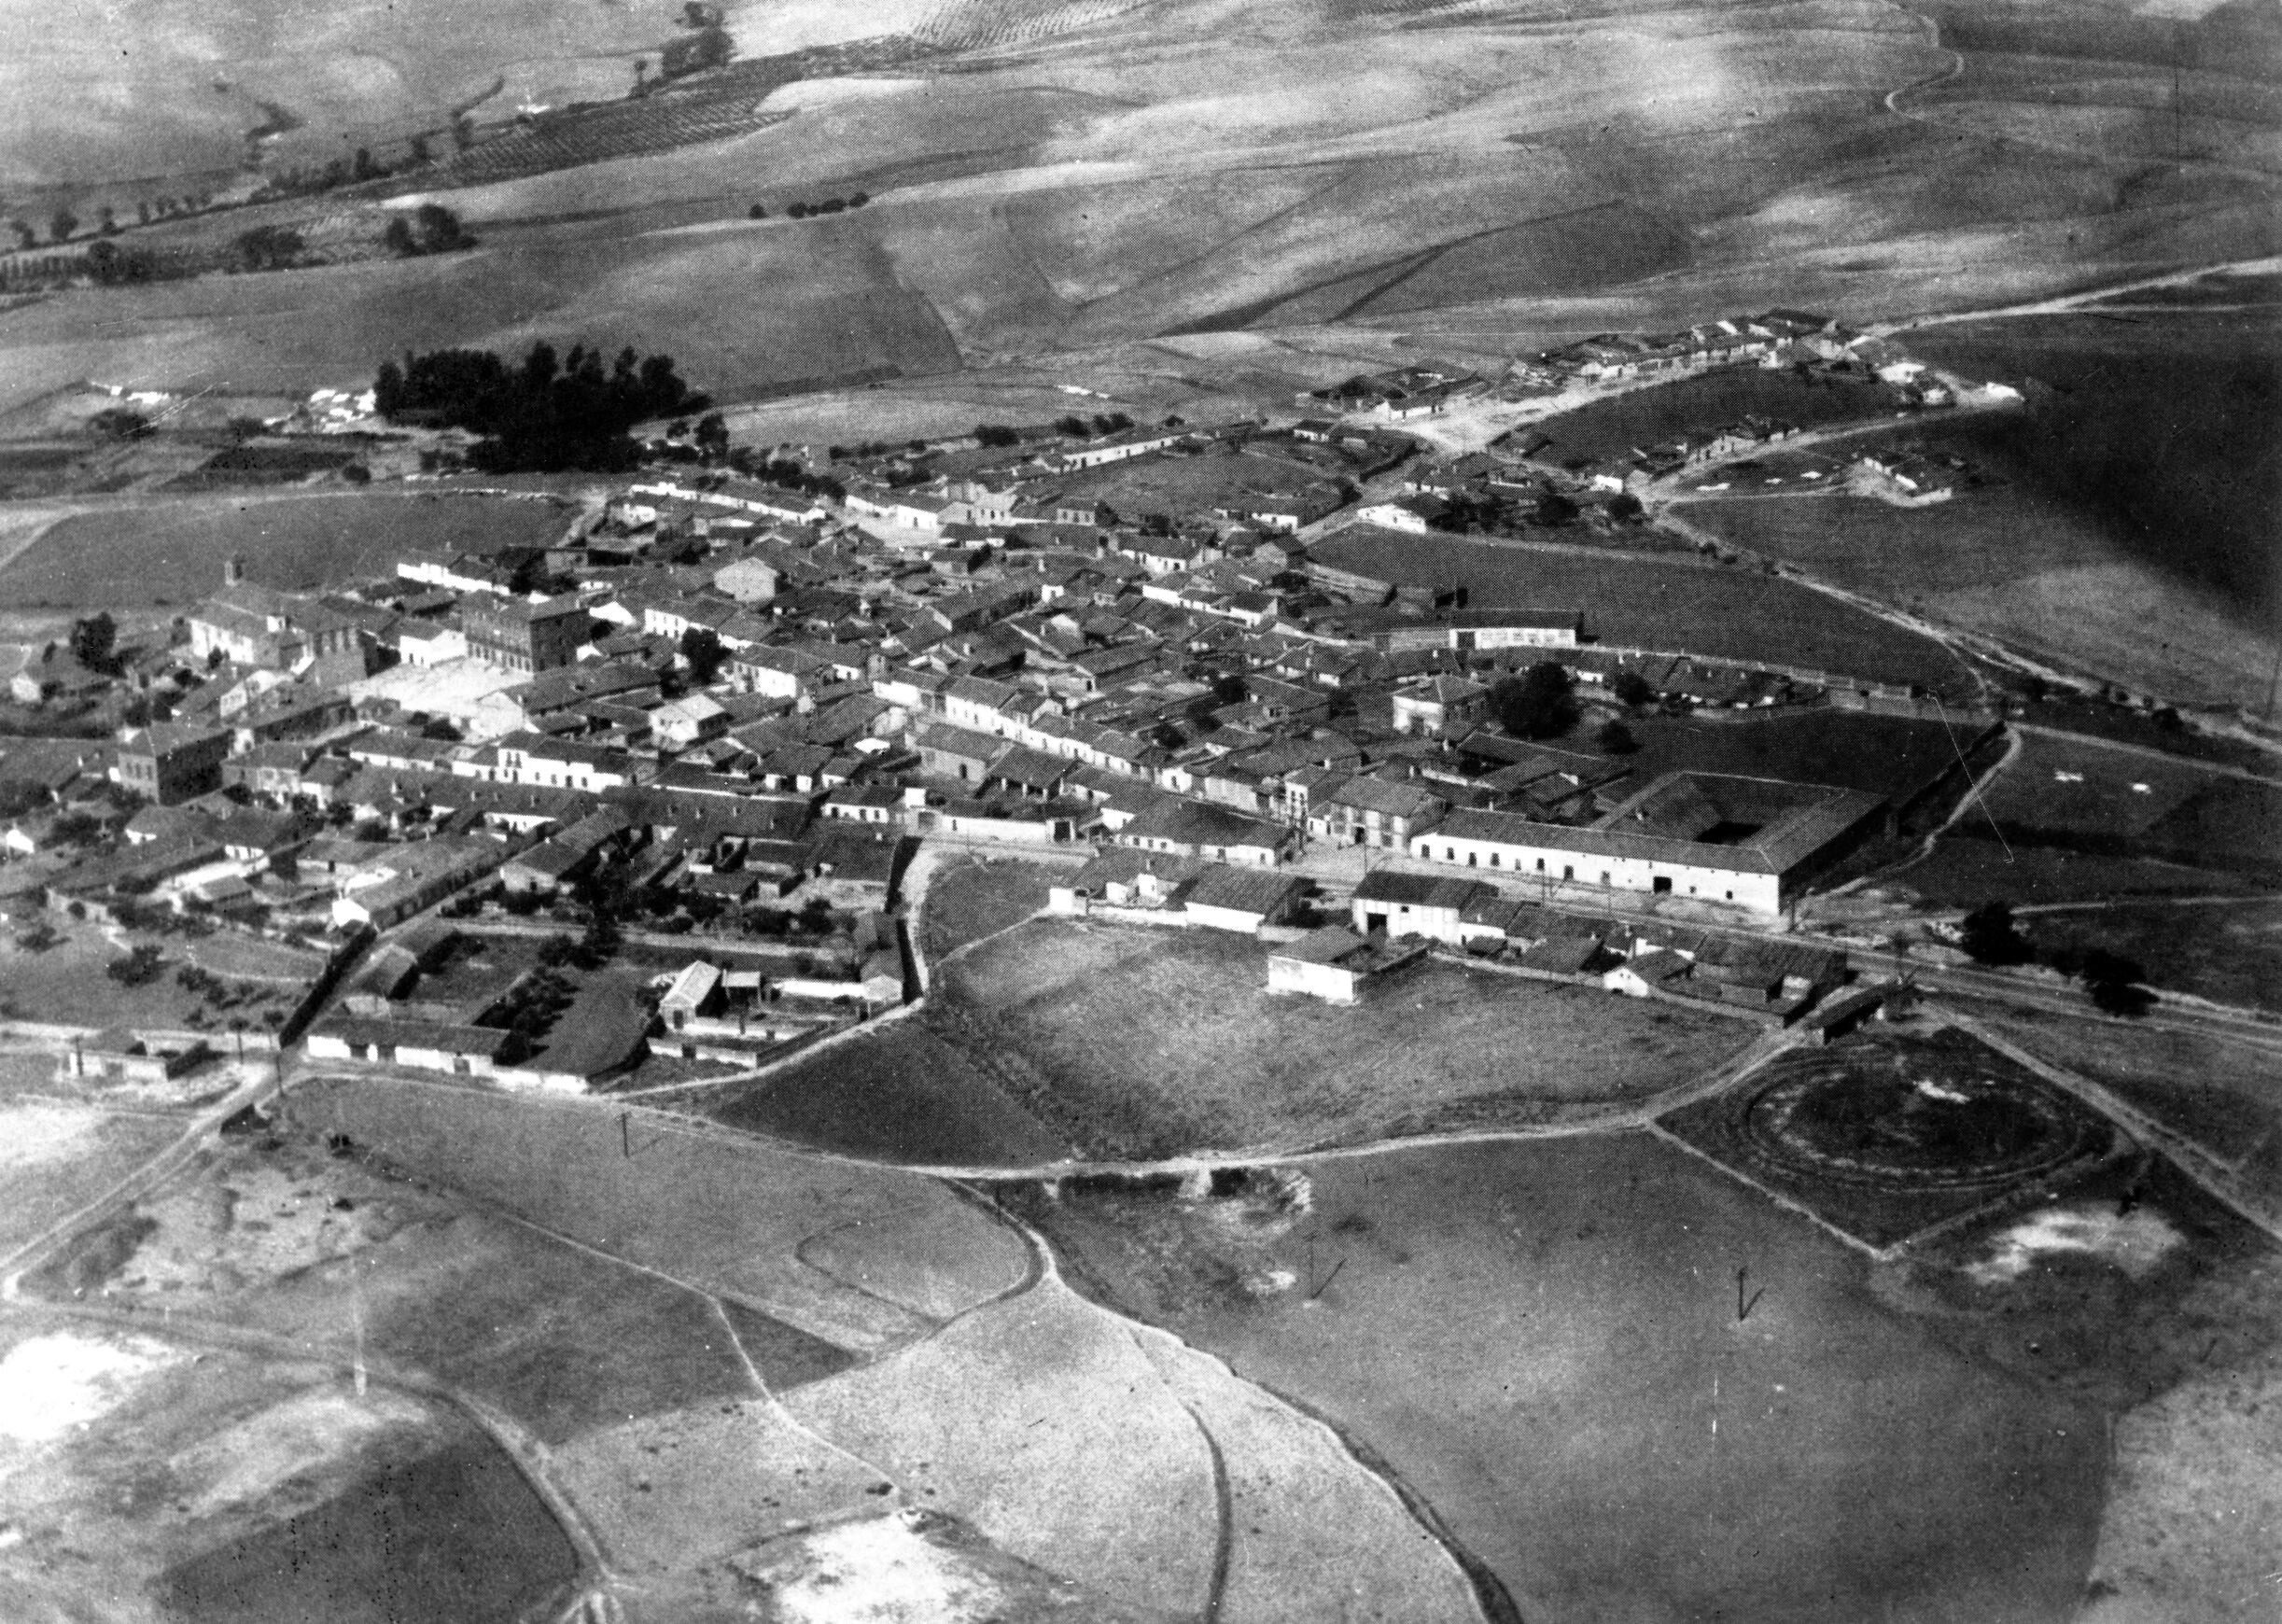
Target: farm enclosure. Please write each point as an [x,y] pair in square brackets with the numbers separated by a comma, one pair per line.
[172,555]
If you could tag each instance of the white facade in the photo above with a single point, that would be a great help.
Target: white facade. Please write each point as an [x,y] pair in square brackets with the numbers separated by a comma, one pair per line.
[1560,865]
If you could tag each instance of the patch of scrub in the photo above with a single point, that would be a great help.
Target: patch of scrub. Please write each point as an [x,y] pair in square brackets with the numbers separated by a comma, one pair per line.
[52,1384]
[2134,1243]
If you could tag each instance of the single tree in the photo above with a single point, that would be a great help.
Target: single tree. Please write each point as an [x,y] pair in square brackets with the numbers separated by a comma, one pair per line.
[107,220]
[1555,508]
[702,648]
[1989,936]
[94,641]
[1616,739]
[419,152]
[1625,505]
[757,212]
[713,437]
[397,238]
[1538,704]
[1634,690]
[440,229]
[363,168]
[25,236]
[61,225]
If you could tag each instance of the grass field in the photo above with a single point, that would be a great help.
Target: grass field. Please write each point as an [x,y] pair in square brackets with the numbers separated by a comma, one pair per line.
[2074,793]
[1691,407]
[902,1093]
[1138,1043]
[2216,1093]
[1537,1339]
[1733,613]
[1968,867]
[53,985]
[172,553]
[60,1157]
[969,901]
[856,1258]
[2229,953]
[2009,561]
[1882,755]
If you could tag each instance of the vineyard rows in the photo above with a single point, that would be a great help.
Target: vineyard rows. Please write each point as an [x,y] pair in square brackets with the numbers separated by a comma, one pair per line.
[965,24]
[623,130]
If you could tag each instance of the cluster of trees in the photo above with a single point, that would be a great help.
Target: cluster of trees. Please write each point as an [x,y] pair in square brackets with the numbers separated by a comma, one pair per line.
[269,248]
[95,643]
[1103,422]
[800,211]
[1472,513]
[1990,935]
[63,225]
[547,414]
[432,230]
[1541,703]
[142,964]
[786,473]
[996,435]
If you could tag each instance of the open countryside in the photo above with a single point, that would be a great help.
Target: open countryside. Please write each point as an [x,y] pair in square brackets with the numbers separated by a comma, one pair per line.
[1126,810]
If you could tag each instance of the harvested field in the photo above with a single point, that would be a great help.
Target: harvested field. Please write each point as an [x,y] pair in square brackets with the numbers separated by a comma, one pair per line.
[1537,1339]
[1189,485]
[902,1093]
[1645,603]
[171,553]
[1693,408]
[1073,1017]
[856,1257]
[1080,1459]
[692,1486]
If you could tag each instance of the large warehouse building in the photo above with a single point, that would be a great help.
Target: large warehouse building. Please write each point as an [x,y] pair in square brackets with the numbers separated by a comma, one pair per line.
[1751,842]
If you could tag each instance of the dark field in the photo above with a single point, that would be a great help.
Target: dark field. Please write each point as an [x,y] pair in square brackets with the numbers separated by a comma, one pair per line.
[1968,867]
[1541,1340]
[1691,407]
[2080,795]
[969,901]
[1882,1135]
[1733,613]
[2228,952]
[902,1093]
[173,555]
[2166,432]
[458,1535]
[1882,755]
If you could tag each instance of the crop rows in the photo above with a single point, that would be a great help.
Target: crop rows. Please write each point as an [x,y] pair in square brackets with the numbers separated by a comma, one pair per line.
[623,130]
[962,24]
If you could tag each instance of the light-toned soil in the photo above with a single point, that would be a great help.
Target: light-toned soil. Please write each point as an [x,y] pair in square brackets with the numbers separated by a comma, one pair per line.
[1153,1042]
[57,1157]
[1041,1423]
[692,1486]
[1542,1339]
[1316,1535]
[2194,1509]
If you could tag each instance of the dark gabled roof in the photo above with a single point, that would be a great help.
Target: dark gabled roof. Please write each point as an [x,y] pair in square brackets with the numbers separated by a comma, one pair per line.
[1243,890]
[1418,890]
